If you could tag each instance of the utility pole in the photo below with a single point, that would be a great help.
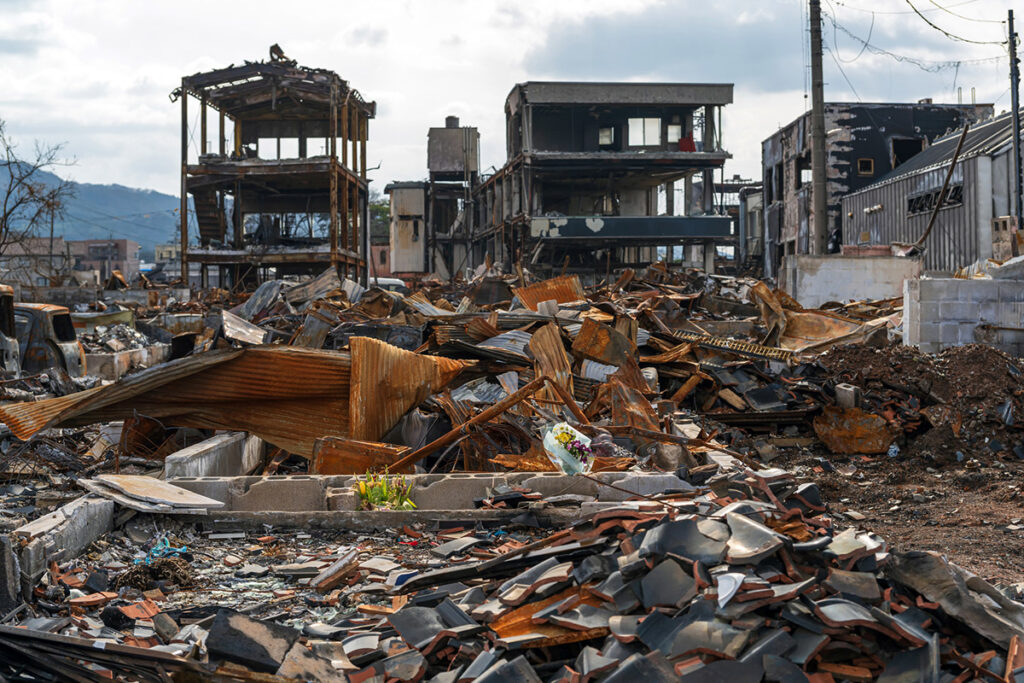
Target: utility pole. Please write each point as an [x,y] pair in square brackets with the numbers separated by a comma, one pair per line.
[1015,105]
[819,232]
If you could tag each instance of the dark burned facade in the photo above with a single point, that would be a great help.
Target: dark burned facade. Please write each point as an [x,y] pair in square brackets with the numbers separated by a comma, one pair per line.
[585,163]
[290,191]
[864,141]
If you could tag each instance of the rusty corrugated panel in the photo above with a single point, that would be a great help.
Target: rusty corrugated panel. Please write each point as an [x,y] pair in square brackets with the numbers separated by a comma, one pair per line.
[601,343]
[551,359]
[564,289]
[288,396]
[387,382]
[338,455]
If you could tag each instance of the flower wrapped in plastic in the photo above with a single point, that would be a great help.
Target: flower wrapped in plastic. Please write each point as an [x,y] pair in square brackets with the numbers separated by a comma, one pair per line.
[568,449]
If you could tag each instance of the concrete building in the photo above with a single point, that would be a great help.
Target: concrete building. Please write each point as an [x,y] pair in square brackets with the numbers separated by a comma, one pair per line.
[32,262]
[976,219]
[106,256]
[587,165]
[289,195]
[865,142]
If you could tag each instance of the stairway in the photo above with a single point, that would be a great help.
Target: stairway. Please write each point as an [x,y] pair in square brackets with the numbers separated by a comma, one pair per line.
[209,216]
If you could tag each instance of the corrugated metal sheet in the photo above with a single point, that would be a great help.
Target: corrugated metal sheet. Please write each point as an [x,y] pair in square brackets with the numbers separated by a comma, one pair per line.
[513,341]
[286,395]
[387,382]
[601,343]
[552,360]
[881,211]
[421,304]
[564,289]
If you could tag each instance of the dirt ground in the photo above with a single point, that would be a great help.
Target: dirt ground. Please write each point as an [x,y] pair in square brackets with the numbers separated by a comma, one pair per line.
[972,512]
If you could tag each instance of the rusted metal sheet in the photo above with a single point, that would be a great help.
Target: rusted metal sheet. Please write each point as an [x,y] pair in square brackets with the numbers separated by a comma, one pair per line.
[552,360]
[387,382]
[564,289]
[286,395]
[851,430]
[338,455]
[601,343]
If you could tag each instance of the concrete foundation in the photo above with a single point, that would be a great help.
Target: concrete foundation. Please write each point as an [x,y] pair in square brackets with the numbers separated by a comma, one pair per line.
[223,455]
[113,366]
[941,313]
[815,280]
[430,492]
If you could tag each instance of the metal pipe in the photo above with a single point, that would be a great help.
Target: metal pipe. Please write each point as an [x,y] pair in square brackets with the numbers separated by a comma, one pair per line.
[495,410]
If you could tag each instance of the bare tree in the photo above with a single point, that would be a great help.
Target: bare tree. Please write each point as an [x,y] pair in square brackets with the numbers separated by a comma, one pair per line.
[29,200]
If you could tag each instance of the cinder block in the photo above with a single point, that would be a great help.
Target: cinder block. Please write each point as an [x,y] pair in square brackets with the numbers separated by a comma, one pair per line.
[967,332]
[847,395]
[218,488]
[281,494]
[949,333]
[645,484]
[928,311]
[957,311]
[454,492]
[929,332]
[342,499]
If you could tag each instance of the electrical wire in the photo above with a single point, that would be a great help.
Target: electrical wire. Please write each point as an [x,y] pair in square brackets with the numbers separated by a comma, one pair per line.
[946,33]
[835,42]
[875,11]
[923,64]
[960,16]
[839,66]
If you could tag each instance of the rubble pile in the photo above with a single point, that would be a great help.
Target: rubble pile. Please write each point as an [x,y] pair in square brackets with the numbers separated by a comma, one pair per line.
[721,564]
[741,573]
[966,399]
[114,338]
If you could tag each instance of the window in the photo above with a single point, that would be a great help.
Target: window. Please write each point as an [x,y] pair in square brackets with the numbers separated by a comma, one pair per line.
[865,166]
[675,131]
[383,256]
[415,231]
[606,136]
[63,327]
[904,148]
[644,132]
[925,202]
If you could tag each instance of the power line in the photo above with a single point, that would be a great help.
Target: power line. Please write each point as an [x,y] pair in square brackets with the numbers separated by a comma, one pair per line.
[875,11]
[839,66]
[946,33]
[923,64]
[960,16]
[835,42]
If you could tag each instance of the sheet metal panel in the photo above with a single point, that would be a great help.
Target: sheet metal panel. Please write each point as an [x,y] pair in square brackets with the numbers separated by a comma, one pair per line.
[881,211]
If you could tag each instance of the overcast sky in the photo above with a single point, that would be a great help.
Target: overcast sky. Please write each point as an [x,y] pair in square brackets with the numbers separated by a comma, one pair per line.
[95,75]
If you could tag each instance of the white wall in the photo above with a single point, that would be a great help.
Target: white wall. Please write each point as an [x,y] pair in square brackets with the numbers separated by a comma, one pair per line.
[814,280]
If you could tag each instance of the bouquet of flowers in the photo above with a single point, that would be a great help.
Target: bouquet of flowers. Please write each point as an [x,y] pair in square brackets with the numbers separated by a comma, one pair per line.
[568,449]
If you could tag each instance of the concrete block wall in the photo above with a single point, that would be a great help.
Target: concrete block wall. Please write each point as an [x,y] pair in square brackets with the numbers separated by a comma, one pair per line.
[299,493]
[940,313]
[814,280]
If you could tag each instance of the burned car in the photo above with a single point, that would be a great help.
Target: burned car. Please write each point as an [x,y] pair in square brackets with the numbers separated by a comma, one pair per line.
[47,339]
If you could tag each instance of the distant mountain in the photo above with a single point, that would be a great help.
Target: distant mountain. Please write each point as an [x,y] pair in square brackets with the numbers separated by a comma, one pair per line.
[119,212]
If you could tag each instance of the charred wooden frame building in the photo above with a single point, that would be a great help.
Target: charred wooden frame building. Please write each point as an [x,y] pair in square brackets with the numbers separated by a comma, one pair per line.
[283,196]
[585,163]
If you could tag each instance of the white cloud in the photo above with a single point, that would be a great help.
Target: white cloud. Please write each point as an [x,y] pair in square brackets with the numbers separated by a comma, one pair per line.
[96,73]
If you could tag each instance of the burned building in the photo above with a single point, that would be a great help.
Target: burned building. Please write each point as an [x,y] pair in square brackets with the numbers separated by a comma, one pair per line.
[431,230]
[864,141]
[976,219]
[587,164]
[284,186]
